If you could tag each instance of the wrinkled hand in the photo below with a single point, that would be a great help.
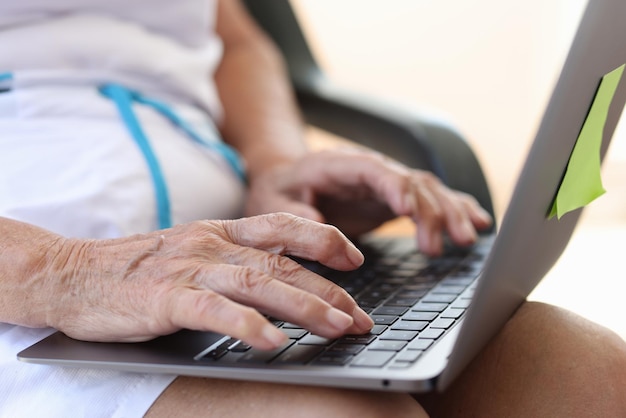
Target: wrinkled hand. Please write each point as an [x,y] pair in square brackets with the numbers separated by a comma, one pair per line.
[357,190]
[206,275]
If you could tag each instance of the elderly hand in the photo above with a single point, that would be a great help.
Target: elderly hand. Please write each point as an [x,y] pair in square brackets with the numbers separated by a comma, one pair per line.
[207,275]
[357,190]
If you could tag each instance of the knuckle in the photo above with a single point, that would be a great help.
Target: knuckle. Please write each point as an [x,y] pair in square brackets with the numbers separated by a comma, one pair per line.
[242,321]
[280,219]
[328,241]
[336,296]
[308,305]
[429,179]
[248,280]
[219,309]
[280,266]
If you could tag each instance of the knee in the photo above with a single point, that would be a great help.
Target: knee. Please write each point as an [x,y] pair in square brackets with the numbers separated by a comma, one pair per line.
[555,335]
[547,327]
[561,349]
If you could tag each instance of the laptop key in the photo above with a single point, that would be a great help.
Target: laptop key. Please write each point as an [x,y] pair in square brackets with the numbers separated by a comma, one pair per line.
[443,323]
[219,351]
[240,347]
[452,290]
[452,313]
[372,359]
[439,298]
[346,349]
[390,310]
[290,325]
[378,329]
[461,303]
[314,340]
[419,344]
[400,365]
[384,319]
[431,333]
[402,301]
[381,345]
[419,316]
[408,356]
[294,333]
[409,325]
[458,281]
[430,307]
[398,335]
[357,339]
[333,359]
[262,356]
[298,354]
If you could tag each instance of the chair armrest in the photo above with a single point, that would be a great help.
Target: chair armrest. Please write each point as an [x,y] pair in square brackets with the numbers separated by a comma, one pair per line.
[401,133]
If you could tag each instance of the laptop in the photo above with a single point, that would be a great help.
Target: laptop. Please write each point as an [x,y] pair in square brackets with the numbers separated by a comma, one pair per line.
[438,313]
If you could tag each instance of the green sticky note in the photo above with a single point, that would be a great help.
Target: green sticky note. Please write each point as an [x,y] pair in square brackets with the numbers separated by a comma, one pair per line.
[582,182]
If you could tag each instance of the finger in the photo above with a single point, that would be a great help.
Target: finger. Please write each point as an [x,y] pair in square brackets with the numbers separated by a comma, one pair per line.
[282,233]
[293,274]
[457,218]
[480,218]
[254,288]
[204,310]
[428,216]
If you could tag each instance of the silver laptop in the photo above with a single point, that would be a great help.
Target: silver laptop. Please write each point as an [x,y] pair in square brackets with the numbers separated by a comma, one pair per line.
[432,316]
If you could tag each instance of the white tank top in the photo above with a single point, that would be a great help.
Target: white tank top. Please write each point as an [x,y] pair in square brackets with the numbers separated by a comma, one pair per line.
[165,48]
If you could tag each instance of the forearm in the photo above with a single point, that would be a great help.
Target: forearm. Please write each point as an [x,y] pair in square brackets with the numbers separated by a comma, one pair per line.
[260,114]
[28,255]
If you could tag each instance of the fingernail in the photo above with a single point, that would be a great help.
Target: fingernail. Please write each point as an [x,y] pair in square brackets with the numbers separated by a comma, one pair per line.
[339,319]
[362,319]
[355,255]
[274,335]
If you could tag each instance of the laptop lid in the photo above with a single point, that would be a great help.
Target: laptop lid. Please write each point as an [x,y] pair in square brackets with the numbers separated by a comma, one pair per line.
[530,241]
[526,247]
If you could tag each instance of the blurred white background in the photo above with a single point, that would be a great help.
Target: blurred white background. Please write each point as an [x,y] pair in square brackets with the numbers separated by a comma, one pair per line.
[489,66]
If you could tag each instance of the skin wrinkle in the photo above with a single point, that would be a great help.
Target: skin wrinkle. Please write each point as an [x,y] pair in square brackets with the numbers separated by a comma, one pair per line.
[132,264]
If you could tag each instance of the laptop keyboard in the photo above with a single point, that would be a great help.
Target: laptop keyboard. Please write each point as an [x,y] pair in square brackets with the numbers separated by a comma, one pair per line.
[412,299]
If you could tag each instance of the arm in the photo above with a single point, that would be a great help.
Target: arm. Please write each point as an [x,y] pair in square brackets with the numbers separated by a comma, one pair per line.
[261,119]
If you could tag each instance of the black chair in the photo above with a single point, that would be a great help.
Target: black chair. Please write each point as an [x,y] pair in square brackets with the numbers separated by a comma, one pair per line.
[398,132]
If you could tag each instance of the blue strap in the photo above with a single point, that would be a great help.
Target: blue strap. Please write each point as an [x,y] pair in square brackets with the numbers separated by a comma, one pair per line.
[123,99]
[229,154]
[5,81]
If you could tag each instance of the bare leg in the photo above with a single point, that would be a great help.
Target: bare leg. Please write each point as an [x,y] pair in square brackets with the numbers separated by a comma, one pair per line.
[220,398]
[546,362]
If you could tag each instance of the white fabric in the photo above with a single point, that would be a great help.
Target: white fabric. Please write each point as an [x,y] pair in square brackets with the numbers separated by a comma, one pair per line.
[83,175]
[187,21]
[162,48]
[29,390]
[68,163]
